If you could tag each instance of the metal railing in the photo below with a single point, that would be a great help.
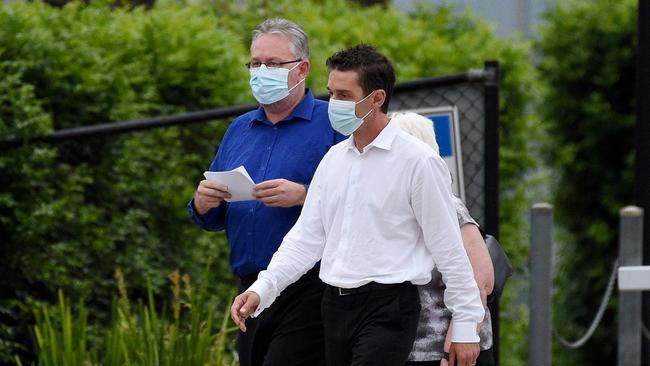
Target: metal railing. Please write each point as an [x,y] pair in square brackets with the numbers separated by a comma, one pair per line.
[630,326]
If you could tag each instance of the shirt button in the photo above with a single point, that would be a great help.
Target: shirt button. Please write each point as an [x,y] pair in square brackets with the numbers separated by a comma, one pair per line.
[249,233]
[268,148]
[275,128]
[251,210]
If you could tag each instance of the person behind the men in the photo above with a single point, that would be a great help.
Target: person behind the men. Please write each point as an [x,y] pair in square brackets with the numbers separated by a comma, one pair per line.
[433,340]
[280,144]
[378,214]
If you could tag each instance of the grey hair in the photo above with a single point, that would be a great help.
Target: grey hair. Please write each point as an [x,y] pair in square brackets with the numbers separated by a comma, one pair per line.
[298,41]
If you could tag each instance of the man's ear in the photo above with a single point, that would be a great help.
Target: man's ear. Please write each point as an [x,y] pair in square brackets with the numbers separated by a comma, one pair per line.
[379,98]
[304,67]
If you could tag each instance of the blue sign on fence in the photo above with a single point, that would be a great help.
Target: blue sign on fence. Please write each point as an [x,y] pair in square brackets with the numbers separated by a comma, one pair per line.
[442,124]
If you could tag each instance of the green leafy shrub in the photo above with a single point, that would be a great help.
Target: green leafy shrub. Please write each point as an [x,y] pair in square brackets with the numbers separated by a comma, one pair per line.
[89,206]
[73,213]
[589,113]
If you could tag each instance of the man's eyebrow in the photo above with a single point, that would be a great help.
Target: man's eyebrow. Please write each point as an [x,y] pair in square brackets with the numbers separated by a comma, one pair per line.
[270,59]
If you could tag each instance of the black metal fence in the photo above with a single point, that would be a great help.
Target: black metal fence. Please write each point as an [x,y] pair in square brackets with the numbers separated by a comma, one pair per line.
[474,93]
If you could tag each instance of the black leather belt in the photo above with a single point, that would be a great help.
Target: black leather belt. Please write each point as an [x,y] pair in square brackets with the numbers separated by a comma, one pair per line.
[370,286]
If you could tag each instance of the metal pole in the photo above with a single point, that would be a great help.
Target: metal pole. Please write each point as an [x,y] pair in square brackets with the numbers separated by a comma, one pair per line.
[630,253]
[541,248]
[492,148]
[491,105]
[642,179]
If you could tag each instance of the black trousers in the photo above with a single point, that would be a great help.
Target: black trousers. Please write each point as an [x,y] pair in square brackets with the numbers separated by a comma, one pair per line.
[485,358]
[289,332]
[372,328]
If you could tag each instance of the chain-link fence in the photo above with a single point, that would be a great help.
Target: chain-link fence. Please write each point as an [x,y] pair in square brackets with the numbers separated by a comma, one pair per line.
[468,97]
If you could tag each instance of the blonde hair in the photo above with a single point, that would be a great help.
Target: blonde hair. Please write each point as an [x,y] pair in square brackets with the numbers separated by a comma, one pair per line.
[417,126]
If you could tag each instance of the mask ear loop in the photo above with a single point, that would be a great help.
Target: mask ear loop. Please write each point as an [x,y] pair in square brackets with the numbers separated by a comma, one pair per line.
[366,115]
[298,83]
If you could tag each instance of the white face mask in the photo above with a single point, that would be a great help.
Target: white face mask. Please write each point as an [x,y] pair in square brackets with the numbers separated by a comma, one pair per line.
[343,116]
[270,85]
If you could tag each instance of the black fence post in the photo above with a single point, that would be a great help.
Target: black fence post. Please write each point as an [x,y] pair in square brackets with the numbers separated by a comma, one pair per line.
[642,179]
[491,106]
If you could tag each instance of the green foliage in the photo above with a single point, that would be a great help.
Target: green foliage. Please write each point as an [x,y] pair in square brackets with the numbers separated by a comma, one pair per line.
[78,210]
[72,213]
[140,336]
[589,112]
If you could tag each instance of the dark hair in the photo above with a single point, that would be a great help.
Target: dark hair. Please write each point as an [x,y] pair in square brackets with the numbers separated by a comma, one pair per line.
[374,69]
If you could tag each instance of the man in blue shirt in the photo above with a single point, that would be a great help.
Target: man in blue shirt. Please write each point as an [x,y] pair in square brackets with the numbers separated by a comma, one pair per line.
[280,144]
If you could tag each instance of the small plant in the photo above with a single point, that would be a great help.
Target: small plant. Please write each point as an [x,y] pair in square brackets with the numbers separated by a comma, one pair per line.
[140,334]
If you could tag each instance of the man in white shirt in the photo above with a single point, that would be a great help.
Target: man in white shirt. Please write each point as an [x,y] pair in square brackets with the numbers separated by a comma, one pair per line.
[378,214]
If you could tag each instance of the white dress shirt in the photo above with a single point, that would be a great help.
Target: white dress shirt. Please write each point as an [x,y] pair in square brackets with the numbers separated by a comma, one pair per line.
[383,215]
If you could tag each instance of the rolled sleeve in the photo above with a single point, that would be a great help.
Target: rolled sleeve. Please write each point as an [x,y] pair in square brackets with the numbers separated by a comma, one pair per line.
[462,213]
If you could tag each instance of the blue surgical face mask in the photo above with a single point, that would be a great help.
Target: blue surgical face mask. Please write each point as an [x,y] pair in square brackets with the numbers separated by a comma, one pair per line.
[343,116]
[270,85]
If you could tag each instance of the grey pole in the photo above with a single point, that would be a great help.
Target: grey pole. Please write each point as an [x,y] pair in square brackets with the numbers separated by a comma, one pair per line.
[539,334]
[630,253]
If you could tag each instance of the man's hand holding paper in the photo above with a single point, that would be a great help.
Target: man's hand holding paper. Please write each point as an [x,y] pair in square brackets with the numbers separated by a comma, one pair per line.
[280,193]
[209,195]
[237,182]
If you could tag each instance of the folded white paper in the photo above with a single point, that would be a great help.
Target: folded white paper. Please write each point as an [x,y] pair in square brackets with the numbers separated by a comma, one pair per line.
[239,183]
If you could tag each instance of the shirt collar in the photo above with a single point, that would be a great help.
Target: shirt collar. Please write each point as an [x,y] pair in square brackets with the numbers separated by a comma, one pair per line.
[303,111]
[383,141]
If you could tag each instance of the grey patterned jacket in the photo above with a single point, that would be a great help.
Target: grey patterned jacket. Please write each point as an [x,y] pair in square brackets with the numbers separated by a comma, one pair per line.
[435,317]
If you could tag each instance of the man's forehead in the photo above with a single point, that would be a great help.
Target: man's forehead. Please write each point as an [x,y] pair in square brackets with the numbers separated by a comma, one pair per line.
[343,80]
[271,45]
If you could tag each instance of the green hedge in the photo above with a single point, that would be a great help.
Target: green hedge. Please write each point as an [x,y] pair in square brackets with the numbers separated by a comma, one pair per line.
[72,213]
[589,113]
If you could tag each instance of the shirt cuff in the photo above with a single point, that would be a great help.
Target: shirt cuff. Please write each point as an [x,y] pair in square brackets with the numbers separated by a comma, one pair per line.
[193,214]
[266,293]
[202,220]
[464,332]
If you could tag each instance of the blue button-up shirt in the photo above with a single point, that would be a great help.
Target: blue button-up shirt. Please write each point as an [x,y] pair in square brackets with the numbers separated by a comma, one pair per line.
[290,149]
